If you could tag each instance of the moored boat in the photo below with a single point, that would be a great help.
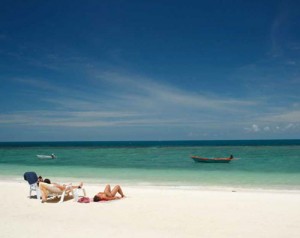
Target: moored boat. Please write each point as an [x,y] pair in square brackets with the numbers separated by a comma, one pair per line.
[211,160]
[52,156]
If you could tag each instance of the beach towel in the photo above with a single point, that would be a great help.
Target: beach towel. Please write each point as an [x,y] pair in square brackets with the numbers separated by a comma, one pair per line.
[84,200]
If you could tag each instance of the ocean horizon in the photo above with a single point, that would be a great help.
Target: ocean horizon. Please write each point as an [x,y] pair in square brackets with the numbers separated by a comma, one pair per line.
[265,164]
[233,142]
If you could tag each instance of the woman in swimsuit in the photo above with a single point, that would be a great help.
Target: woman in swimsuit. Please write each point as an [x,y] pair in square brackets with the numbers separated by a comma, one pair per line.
[109,194]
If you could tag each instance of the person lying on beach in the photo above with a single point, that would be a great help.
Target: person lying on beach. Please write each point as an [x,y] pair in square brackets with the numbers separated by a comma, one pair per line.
[47,187]
[109,194]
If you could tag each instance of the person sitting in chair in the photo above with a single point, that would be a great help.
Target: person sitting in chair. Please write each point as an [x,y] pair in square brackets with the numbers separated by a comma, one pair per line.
[47,187]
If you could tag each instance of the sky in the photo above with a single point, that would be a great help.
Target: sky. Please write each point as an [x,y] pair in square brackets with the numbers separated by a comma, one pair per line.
[149,70]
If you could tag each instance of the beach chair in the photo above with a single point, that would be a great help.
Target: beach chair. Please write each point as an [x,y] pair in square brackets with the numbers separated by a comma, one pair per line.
[75,193]
[32,179]
[54,192]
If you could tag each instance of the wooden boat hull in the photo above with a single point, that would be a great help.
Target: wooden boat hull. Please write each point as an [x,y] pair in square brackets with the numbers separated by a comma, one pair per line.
[208,160]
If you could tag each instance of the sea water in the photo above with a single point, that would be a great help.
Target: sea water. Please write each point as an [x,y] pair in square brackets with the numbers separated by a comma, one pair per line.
[265,164]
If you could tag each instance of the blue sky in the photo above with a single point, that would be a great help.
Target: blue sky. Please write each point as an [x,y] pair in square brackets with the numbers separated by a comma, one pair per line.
[149,70]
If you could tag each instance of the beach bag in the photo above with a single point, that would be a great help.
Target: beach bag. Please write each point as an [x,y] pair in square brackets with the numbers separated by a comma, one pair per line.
[84,200]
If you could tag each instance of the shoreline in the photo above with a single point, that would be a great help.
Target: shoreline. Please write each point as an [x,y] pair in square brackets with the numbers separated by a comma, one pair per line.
[152,212]
[163,185]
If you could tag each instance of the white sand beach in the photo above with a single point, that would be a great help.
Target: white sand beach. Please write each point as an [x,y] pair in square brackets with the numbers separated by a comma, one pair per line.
[153,212]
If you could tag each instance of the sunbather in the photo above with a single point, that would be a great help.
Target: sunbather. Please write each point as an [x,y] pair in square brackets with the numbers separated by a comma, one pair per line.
[109,194]
[47,187]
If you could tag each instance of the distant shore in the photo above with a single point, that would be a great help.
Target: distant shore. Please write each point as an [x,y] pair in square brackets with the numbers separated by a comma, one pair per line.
[149,211]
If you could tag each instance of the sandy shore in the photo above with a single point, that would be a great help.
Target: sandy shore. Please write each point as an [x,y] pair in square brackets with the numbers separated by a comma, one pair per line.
[152,212]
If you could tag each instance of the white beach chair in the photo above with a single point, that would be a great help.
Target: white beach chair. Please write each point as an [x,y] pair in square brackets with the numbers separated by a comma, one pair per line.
[55,192]
[76,193]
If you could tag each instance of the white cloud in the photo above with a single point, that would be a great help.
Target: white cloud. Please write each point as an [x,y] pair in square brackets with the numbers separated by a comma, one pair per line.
[289,126]
[255,128]
[41,84]
[273,128]
[146,90]
[292,116]
[116,100]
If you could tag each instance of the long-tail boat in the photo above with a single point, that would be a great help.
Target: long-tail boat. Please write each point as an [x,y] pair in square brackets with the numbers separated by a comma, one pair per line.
[211,160]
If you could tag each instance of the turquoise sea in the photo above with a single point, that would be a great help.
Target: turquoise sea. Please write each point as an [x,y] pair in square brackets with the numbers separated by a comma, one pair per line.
[265,164]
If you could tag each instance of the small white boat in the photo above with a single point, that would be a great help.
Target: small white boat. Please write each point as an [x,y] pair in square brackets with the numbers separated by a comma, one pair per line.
[52,156]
